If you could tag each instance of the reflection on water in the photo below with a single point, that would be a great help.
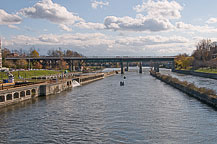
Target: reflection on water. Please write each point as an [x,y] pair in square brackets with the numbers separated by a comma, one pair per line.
[145,110]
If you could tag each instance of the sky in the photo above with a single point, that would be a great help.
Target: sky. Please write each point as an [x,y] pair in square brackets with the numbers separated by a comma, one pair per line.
[108,27]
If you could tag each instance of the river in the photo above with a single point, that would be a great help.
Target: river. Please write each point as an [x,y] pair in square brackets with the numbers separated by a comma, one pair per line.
[145,110]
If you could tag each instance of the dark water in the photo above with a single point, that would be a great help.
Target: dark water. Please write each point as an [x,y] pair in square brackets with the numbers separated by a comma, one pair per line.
[145,110]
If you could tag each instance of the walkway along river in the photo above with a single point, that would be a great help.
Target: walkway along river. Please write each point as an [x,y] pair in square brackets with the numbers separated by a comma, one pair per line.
[145,110]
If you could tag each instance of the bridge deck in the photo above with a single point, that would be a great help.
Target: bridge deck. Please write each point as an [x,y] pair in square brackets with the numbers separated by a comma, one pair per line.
[117,58]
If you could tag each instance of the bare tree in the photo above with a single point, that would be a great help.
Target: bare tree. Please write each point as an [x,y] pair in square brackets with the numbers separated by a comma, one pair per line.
[202,52]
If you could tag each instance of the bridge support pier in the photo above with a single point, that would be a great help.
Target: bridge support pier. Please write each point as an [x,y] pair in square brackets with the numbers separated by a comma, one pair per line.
[50,64]
[173,66]
[156,67]
[29,64]
[140,67]
[79,66]
[54,63]
[71,66]
[122,68]
[127,68]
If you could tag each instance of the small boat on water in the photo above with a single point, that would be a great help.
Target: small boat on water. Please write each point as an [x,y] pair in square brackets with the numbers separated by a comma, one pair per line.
[121,83]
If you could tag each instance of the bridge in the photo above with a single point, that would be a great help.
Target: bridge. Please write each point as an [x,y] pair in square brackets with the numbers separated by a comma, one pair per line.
[113,59]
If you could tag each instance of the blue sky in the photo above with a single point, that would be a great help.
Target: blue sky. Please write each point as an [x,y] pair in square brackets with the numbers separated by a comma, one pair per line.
[108,27]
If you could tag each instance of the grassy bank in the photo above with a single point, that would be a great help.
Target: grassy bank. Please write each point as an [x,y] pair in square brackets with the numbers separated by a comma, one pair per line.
[207,70]
[29,74]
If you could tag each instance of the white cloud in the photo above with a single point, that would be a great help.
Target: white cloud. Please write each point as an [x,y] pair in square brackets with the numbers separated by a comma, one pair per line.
[98,43]
[58,14]
[97,38]
[95,4]
[140,23]
[161,8]
[9,19]
[201,29]
[65,28]
[13,27]
[78,39]
[49,39]
[159,14]
[53,12]
[90,25]
[211,20]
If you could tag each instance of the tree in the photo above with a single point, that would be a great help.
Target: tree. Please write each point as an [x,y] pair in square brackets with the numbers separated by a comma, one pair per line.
[37,65]
[9,64]
[212,63]
[21,64]
[60,53]
[183,61]
[69,53]
[62,65]
[55,53]
[34,54]
[5,52]
[202,52]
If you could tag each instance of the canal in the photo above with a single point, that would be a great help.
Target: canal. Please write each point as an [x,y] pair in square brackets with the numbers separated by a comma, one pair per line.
[145,110]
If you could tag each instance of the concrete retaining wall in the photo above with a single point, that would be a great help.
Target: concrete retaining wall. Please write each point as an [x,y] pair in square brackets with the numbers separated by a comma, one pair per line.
[91,78]
[200,74]
[208,99]
[16,95]
[54,88]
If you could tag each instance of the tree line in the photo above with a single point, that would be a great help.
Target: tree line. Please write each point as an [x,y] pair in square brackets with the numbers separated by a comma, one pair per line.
[23,64]
[203,56]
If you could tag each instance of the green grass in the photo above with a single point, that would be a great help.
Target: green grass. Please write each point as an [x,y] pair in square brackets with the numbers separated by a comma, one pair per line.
[29,74]
[207,70]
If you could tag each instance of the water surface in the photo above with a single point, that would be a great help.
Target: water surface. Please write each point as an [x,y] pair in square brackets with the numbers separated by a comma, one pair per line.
[145,110]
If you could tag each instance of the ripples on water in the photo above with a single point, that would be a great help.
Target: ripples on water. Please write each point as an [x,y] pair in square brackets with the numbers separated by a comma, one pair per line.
[145,110]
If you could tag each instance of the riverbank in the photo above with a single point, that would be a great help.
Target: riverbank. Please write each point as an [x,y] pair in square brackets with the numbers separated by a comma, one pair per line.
[200,74]
[203,94]
[16,95]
